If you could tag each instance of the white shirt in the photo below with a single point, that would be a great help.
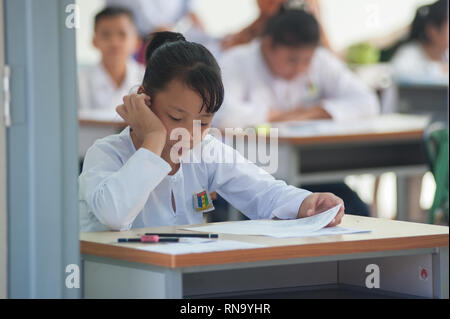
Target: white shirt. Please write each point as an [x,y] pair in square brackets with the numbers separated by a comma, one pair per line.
[97,91]
[121,188]
[151,14]
[411,64]
[251,89]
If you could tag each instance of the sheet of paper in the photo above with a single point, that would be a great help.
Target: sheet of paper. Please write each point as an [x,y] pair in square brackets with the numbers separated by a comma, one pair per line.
[273,228]
[198,245]
[337,230]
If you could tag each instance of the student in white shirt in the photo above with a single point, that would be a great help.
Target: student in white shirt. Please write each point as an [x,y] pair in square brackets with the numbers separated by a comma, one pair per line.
[102,87]
[423,57]
[140,178]
[286,76]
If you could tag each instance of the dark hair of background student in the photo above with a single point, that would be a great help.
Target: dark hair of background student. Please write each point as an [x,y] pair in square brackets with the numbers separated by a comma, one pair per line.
[435,15]
[169,56]
[112,12]
[293,28]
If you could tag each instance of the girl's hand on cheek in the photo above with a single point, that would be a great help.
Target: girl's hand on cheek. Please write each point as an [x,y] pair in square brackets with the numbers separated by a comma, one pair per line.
[147,127]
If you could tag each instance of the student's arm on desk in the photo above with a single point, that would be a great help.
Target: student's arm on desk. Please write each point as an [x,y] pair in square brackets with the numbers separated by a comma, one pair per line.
[299,114]
[343,95]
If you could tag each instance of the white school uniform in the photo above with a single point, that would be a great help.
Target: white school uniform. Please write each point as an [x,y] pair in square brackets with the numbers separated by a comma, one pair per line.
[98,92]
[121,188]
[251,89]
[153,14]
[411,64]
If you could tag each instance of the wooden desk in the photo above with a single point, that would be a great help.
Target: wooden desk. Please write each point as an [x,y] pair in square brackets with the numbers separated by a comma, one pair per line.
[293,267]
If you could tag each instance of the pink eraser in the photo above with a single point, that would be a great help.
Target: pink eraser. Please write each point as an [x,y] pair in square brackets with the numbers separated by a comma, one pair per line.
[150,238]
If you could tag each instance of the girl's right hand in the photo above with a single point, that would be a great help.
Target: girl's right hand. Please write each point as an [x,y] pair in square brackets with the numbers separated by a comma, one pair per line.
[147,127]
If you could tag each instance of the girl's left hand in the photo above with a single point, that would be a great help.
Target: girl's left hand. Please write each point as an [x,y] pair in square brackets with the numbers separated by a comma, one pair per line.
[317,203]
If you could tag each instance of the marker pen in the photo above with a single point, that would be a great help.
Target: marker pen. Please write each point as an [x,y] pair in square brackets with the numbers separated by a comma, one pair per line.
[183,235]
[148,239]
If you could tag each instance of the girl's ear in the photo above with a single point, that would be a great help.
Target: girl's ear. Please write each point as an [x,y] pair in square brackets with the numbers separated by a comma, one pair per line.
[140,90]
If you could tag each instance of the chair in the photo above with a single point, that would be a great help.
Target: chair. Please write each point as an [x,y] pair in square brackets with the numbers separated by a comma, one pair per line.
[436,145]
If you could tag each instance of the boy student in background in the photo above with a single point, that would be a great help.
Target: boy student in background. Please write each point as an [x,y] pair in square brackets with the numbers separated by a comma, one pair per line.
[102,87]
[141,178]
[423,57]
[286,76]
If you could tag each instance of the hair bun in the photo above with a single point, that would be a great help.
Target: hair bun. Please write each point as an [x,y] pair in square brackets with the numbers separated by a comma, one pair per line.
[157,39]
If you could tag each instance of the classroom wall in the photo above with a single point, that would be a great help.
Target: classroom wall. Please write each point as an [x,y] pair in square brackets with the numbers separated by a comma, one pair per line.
[350,21]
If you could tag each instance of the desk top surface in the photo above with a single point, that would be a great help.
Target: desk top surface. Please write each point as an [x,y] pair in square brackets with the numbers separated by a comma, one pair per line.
[385,235]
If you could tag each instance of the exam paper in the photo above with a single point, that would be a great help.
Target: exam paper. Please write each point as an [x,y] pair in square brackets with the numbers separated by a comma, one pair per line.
[199,245]
[274,228]
[336,230]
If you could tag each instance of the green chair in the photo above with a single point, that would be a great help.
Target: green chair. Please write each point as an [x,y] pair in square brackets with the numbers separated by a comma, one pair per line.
[436,144]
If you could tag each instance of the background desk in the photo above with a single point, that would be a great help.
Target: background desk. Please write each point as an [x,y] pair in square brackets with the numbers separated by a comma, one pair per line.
[91,129]
[310,160]
[327,266]
[324,151]
[424,99]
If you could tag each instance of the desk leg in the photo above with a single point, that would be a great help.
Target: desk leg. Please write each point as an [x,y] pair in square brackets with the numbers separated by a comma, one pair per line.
[174,284]
[440,273]
[402,197]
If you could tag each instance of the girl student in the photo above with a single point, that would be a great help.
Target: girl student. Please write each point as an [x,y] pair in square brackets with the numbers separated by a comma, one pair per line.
[131,180]
[426,47]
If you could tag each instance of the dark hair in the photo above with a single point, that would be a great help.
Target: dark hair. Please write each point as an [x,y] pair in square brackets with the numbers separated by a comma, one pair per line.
[434,14]
[112,12]
[169,56]
[293,28]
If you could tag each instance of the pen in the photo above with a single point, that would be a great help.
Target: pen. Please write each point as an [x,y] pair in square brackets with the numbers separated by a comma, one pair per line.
[148,239]
[183,235]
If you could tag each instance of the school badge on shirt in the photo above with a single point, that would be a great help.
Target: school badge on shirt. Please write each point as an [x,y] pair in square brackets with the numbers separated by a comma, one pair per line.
[203,202]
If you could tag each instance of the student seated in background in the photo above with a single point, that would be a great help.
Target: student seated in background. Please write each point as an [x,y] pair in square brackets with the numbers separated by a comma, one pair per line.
[423,57]
[141,177]
[102,87]
[287,76]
